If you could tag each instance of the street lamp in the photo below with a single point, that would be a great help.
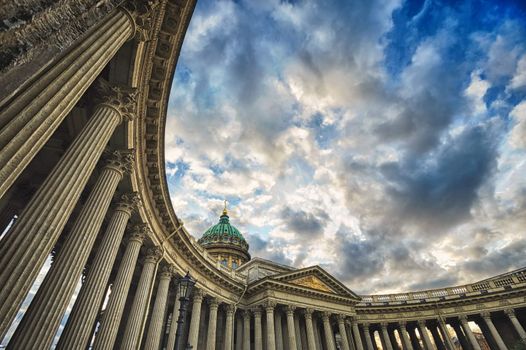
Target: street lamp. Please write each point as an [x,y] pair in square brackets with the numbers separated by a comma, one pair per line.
[186,284]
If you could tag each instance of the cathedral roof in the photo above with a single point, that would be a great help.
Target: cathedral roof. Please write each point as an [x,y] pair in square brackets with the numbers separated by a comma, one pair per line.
[223,232]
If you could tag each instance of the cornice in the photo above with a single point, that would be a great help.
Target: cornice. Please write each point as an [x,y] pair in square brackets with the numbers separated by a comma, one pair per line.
[155,61]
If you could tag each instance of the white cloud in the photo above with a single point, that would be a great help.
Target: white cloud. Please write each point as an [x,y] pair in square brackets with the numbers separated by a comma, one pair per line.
[518,133]
[519,78]
[476,91]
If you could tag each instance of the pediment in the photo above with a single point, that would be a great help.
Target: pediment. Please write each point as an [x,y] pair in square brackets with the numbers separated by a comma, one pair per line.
[318,279]
[312,282]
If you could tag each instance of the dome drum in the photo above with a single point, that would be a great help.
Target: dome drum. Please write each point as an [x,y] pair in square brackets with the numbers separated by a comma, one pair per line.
[225,243]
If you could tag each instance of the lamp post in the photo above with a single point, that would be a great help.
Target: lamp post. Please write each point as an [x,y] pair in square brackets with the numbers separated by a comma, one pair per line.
[186,284]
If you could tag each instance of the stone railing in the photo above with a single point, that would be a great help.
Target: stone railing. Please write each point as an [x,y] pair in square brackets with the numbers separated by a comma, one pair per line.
[505,281]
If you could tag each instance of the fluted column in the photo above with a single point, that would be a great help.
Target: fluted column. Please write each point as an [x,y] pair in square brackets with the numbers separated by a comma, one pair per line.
[356,334]
[32,237]
[78,330]
[258,334]
[317,333]
[193,333]
[239,332]
[439,344]
[111,318]
[311,340]
[367,334]
[139,311]
[494,333]
[212,326]
[406,341]
[424,334]
[246,330]
[343,332]
[464,344]
[445,334]
[415,341]
[385,336]
[329,335]
[229,327]
[471,337]
[170,343]
[43,316]
[298,333]
[31,117]
[271,334]
[279,330]
[290,327]
[516,324]
[153,338]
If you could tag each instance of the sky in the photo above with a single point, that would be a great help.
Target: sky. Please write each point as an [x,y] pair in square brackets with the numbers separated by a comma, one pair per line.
[382,140]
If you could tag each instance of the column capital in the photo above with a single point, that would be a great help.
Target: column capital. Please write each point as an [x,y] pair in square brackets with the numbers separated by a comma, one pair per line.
[257,312]
[199,294]
[421,322]
[246,313]
[383,325]
[213,303]
[129,202]
[140,13]
[403,324]
[463,318]
[510,312]
[167,271]
[341,318]
[119,160]
[153,255]
[289,309]
[325,315]
[486,315]
[139,232]
[308,313]
[122,99]
[365,326]
[230,309]
[269,305]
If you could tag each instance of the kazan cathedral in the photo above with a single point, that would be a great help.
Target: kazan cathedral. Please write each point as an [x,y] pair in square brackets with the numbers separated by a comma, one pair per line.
[84,87]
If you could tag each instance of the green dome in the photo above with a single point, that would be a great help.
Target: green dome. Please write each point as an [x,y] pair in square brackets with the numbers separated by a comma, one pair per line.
[223,232]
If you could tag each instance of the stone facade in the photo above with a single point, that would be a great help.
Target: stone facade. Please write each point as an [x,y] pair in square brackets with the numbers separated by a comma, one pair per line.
[82,114]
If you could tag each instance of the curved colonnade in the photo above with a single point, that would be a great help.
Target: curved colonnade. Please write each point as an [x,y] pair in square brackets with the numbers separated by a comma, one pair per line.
[83,111]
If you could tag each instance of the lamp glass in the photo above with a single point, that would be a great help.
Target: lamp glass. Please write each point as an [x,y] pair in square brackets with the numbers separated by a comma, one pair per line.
[185,286]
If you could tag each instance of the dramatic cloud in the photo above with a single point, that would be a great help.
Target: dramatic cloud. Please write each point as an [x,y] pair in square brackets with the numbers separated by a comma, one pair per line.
[382,140]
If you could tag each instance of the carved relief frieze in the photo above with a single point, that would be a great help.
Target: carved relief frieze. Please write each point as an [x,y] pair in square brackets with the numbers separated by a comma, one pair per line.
[312,282]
